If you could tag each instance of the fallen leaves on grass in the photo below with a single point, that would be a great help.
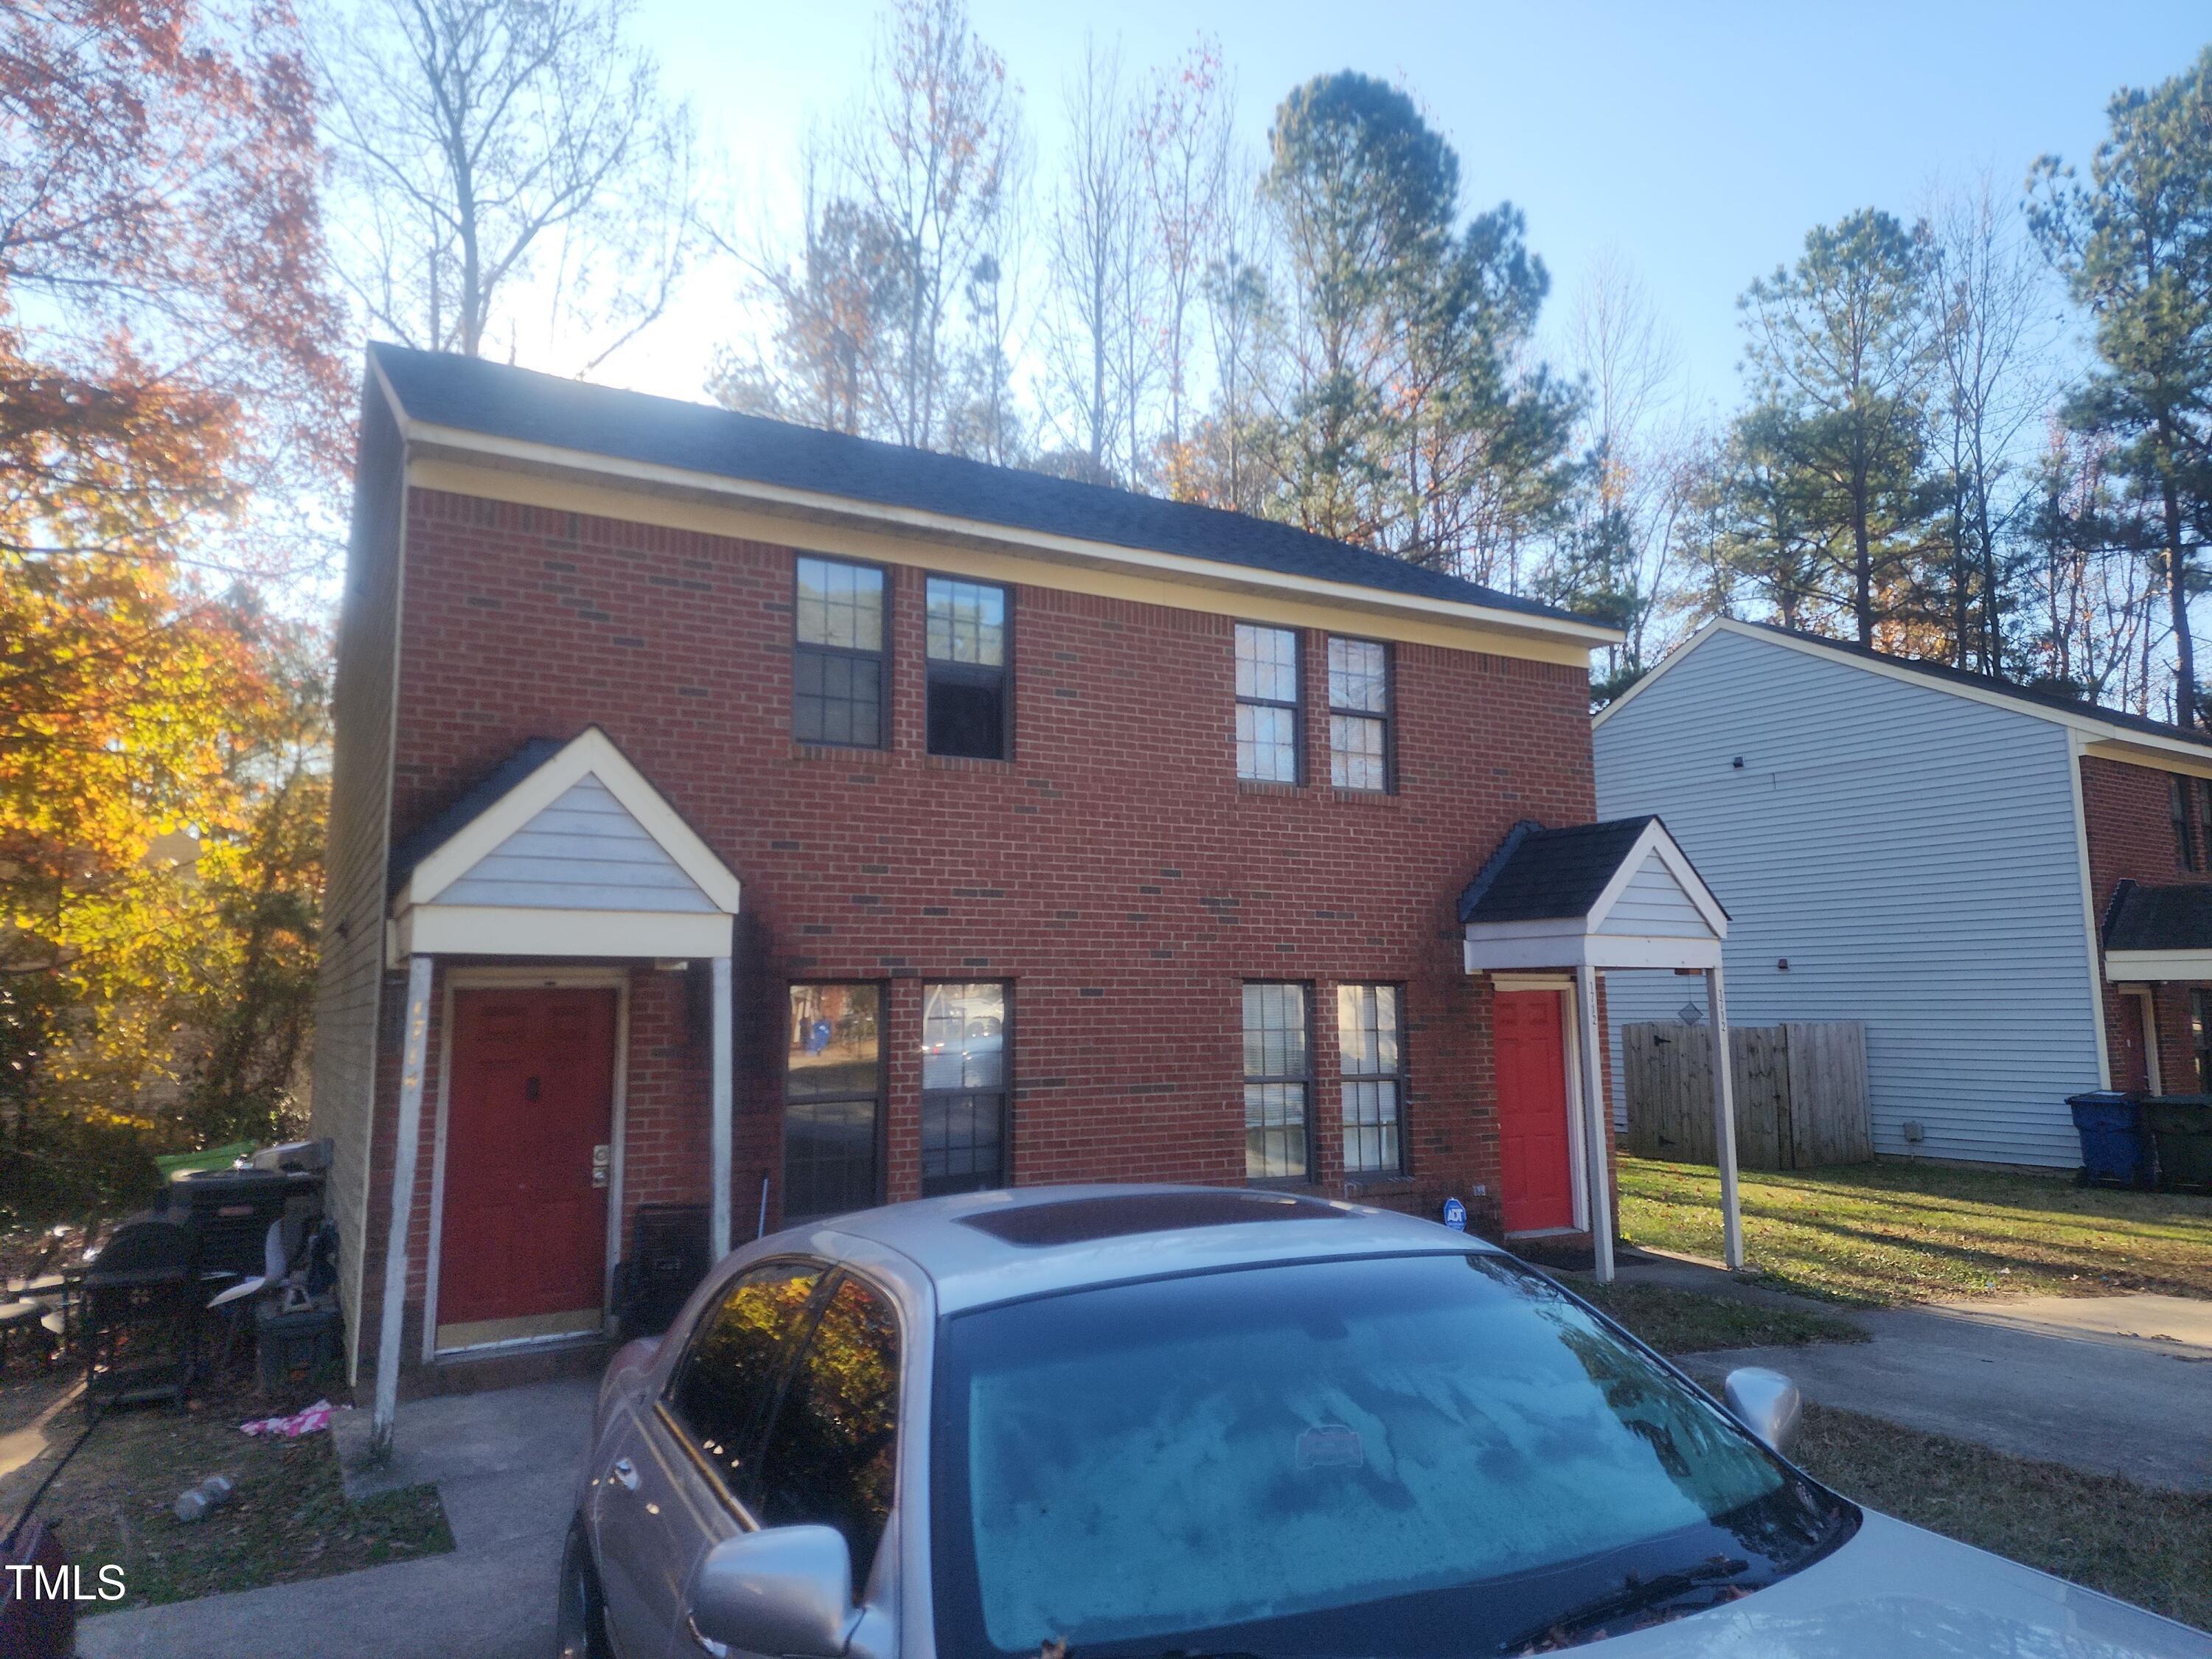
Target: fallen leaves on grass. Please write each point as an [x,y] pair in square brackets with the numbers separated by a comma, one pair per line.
[2142,1544]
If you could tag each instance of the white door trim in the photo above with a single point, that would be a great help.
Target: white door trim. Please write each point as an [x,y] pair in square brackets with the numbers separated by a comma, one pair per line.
[492,978]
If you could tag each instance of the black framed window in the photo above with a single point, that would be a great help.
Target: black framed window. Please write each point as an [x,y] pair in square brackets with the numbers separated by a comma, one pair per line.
[833,1099]
[966,639]
[837,677]
[1267,704]
[2185,844]
[725,1384]
[1371,1059]
[829,1456]
[1358,713]
[965,1041]
[2204,823]
[2199,1037]
[1278,1081]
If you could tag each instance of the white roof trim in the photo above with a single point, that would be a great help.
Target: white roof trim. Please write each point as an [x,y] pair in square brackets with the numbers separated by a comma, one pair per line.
[495,930]
[592,754]
[1656,839]
[2155,966]
[2150,746]
[818,504]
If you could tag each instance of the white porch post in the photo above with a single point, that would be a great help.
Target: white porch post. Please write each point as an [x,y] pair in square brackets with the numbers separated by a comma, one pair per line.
[1724,1123]
[403,1203]
[1593,1117]
[720,1138]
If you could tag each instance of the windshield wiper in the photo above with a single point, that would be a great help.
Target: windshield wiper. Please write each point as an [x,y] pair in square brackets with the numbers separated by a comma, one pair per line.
[1635,1596]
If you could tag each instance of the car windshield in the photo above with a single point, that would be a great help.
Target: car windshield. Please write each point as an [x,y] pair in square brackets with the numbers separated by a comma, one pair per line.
[1408,1455]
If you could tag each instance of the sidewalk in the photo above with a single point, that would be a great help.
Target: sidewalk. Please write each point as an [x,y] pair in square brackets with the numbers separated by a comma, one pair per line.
[506,1465]
[2116,1385]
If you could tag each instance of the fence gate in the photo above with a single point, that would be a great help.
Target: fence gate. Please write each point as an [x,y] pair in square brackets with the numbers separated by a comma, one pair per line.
[1801,1093]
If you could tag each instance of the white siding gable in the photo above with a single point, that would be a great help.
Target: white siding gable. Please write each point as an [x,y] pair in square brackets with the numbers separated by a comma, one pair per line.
[1653,903]
[584,851]
[1911,853]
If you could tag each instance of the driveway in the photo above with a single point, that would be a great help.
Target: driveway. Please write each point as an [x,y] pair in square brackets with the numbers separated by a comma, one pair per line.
[2116,1385]
[506,1464]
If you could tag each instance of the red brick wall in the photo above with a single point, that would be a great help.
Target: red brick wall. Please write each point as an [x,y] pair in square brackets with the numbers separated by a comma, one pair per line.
[1115,871]
[2128,815]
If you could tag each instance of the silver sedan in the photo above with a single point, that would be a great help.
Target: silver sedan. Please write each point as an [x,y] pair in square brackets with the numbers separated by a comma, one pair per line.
[1147,1422]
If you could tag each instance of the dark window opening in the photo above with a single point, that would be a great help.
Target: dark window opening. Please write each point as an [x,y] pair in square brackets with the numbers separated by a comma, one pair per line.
[2185,844]
[2199,1037]
[967,656]
[833,1095]
[837,677]
[963,1088]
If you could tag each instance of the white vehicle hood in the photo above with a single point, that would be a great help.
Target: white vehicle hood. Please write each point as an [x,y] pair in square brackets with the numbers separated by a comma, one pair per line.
[1896,1591]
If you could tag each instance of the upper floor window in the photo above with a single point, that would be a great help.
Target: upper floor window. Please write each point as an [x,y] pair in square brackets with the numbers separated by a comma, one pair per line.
[2204,819]
[837,657]
[1267,704]
[2185,844]
[1358,713]
[1371,1057]
[1278,1078]
[967,658]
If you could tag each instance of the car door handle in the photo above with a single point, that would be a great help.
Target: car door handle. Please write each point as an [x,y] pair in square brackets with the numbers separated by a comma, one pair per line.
[625,1472]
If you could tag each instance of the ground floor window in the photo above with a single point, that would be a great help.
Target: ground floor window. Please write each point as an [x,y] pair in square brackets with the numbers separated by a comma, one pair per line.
[2199,1037]
[964,1032]
[833,1095]
[1370,1054]
[1277,1078]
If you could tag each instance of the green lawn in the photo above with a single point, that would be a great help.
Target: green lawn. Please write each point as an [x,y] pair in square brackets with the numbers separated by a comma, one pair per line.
[1885,1233]
[1688,1321]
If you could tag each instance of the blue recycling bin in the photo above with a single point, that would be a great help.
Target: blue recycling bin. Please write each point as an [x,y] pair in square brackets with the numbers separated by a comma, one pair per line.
[2116,1149]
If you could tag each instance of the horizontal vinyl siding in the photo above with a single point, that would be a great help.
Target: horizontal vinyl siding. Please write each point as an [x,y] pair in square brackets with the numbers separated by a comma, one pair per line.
[1911,853]
[584,851]
[1654,903]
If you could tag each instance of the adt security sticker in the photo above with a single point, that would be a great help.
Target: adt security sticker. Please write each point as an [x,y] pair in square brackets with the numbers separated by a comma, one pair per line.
[1454,1215]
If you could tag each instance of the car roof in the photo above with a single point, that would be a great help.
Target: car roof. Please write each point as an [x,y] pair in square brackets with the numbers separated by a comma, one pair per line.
[984,1248]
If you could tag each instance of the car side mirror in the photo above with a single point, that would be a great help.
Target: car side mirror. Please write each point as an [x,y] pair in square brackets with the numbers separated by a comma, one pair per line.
[1765,1402]
[782,1590]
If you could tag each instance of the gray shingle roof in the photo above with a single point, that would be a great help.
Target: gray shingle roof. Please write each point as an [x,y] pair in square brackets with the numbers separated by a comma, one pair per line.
[2176,918]
[471,395]
[1545,875]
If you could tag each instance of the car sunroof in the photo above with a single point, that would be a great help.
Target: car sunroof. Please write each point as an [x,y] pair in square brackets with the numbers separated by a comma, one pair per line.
[1079,1220]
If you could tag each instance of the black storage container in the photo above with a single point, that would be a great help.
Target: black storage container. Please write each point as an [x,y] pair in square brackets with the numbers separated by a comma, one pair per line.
[298,1348]
[667,1259]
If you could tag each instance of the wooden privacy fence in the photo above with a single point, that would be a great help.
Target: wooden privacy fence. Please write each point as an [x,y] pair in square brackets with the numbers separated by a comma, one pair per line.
[1801,1093]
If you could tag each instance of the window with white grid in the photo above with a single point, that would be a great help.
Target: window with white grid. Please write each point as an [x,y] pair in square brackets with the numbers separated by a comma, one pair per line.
[1267,704]
[1277,1078]
[1358,715]
[1370,1056]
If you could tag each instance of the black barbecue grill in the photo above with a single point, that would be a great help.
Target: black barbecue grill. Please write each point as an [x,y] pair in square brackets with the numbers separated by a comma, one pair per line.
[139,1308]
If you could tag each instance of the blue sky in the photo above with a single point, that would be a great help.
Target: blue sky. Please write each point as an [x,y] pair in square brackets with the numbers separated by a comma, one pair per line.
[1701,141]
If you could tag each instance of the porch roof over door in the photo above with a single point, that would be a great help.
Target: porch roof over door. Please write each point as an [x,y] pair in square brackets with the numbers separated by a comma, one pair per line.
[2154,933]
[563,850]
[1620,894]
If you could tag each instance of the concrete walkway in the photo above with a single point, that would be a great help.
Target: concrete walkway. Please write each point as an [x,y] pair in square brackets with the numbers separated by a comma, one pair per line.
[2115,1384]
[506,1465]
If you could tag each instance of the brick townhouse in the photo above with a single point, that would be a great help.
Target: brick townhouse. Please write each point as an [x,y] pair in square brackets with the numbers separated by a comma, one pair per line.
[735,814]
[2149,824]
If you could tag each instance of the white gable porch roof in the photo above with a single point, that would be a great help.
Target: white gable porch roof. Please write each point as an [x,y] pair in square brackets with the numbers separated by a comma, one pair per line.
[577,855]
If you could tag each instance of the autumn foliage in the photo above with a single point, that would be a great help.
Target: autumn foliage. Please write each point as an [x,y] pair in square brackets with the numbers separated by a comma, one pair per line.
[171,398]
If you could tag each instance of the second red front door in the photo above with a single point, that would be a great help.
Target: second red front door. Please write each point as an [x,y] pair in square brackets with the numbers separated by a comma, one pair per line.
[1536,1165]
[522,1251]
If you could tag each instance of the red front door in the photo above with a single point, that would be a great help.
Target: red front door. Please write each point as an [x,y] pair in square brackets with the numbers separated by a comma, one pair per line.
[523,1251]
[1535,1172]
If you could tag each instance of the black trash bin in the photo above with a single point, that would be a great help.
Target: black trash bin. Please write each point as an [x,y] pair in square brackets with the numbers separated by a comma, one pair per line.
[2116,1150]
[2181,1126]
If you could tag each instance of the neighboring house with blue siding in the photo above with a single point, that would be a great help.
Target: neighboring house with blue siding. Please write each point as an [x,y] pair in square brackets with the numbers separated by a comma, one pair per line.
[2001,884]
